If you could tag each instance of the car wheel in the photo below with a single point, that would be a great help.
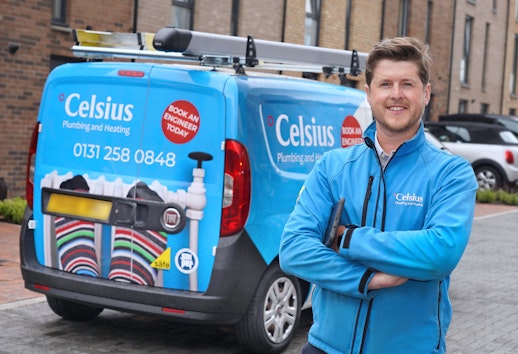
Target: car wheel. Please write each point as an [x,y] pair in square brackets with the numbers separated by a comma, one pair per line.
[488,178]
[273,315]
[73,311]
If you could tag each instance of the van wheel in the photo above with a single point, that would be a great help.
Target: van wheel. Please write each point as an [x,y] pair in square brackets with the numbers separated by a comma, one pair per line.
[73,311]
[273,315]
[488,178]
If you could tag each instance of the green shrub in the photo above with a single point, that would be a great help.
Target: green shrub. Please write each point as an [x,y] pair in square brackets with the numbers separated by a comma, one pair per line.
[501,196]
[12,209]
[505,197]
[486,196]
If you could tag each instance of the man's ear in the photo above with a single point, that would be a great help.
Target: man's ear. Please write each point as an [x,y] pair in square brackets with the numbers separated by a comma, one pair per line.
[428,93]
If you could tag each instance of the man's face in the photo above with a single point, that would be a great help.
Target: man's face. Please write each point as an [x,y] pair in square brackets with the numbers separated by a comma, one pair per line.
[397,98]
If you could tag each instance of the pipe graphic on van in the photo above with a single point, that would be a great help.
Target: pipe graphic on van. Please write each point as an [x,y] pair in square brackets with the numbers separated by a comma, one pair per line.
[130,253]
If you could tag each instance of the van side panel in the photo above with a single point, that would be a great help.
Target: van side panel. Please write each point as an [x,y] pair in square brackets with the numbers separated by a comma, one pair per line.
[288,129]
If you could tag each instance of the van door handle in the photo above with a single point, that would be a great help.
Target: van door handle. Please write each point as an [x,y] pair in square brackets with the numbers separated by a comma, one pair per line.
[123,213]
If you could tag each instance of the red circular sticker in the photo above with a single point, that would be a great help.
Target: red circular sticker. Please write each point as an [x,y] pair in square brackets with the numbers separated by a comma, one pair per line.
[180,122]
[351,133]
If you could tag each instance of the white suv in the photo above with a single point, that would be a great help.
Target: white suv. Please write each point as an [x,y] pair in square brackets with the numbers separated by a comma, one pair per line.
[492,150]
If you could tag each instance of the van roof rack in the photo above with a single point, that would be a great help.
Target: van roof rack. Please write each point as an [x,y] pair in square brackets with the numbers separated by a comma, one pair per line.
[217,50]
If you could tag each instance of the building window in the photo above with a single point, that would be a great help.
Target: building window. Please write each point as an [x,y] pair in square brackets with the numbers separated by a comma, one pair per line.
[484,108]
[466,50]
[59,12]
[512,111]
[484,59]
[514,73]
[404,8]
[234,20]
[463,106]
[312,22]
[182,15]
[428,31]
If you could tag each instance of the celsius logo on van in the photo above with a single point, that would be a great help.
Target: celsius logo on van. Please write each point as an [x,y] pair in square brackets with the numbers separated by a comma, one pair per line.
[97,109]
[300,134]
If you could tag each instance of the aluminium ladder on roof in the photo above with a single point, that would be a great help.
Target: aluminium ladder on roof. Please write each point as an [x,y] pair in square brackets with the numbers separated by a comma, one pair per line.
[217,50]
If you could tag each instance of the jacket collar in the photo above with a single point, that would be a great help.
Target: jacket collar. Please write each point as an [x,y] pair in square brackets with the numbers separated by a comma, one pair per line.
[407,147]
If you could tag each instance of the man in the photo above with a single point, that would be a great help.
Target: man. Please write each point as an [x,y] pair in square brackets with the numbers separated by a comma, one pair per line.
[383,286]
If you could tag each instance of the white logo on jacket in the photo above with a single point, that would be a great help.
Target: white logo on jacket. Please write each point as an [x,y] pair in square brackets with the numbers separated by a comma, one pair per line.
[410,199]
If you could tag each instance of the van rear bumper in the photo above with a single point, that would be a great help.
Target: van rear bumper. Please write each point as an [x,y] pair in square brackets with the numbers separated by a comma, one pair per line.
[237,270]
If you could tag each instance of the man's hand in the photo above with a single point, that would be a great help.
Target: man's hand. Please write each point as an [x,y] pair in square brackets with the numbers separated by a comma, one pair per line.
[383,280]
[379,280]
[339,232]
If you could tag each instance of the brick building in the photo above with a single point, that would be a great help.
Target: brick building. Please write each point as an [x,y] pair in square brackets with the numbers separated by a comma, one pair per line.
[35,36]
[478,57]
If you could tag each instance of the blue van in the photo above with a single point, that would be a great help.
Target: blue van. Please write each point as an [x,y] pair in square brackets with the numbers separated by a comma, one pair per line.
[163,189]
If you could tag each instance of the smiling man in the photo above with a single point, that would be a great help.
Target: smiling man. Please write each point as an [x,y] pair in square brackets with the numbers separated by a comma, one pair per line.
[383,286]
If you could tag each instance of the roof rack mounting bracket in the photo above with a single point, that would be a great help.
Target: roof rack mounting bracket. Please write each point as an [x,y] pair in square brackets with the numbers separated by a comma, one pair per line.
[238,66]
[251,52]
[328,71]
[355,64]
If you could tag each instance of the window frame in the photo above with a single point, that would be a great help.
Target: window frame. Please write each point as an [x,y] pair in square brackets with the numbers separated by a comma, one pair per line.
[59,16]
[514,74]
[466,50]
[312,22]
[183,5]
[404,11]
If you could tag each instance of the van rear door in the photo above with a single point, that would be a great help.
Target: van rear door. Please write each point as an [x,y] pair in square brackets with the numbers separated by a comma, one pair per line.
[130,136]
[186,116]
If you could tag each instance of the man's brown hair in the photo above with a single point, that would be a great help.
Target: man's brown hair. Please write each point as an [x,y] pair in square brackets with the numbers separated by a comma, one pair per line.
[400,49]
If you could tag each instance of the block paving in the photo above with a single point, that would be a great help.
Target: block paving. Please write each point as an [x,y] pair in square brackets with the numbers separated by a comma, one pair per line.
[483,293]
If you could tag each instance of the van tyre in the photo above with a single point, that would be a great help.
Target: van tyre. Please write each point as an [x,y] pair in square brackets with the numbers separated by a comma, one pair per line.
[488,177]
[273,315]
[73,311]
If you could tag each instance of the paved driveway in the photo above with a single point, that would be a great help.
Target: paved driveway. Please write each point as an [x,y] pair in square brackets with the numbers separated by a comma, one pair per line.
[483,292]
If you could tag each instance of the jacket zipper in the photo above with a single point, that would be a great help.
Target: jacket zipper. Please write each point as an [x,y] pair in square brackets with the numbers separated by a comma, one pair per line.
[364,219]
[366,200]
[372,146]
[364,334]
[368,194]
[439,316]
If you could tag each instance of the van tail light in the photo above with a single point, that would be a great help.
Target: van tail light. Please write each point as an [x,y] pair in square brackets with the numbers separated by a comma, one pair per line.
[29,177]
[509,157]
[236,191]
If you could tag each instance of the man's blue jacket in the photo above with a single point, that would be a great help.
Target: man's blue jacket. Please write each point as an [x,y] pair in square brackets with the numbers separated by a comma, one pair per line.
[414,221]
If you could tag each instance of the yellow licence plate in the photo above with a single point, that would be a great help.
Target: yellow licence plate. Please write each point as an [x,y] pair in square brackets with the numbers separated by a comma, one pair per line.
[80,207]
